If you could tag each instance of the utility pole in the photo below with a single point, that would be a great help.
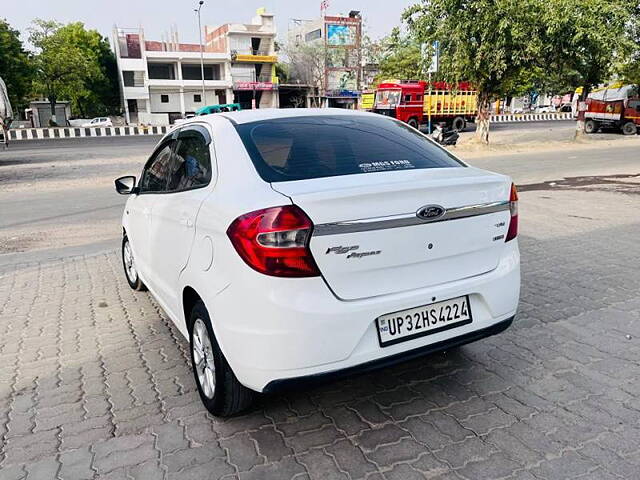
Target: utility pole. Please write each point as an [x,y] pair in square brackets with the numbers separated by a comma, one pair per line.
[197,10]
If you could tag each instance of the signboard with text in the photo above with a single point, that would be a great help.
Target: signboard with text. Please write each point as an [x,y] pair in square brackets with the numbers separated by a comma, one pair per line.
[254,86]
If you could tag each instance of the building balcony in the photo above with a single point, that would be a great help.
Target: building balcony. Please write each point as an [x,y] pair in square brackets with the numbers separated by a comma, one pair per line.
[173,55]
[253,56]
[219,84]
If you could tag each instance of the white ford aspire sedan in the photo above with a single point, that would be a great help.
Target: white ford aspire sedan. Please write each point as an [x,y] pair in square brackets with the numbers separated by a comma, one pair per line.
[295,245]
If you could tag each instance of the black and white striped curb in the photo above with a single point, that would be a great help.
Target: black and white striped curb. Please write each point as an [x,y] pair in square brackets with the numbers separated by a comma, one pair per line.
[531,117]
[83,132]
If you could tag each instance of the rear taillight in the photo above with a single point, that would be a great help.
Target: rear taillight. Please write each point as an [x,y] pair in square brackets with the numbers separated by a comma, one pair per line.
[275,241]
[513,207]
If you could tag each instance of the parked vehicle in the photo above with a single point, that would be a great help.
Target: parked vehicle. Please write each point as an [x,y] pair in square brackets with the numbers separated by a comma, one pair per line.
[296,245]
[227,107]
[6,114]
[445,137]
[411,101]
[613,107]
[99,122]
[545,109]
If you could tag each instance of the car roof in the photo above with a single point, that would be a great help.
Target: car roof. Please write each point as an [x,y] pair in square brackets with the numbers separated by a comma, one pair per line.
[248,116]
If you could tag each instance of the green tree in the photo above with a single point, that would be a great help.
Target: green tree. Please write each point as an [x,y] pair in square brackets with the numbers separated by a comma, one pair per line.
[628,68]
[76,64]
[61,67]
[486,42]
[585,39]
[15,66]
[100,95]
[399,57]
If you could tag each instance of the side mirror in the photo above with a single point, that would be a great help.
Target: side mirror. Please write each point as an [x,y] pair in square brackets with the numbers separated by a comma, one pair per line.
[126,185]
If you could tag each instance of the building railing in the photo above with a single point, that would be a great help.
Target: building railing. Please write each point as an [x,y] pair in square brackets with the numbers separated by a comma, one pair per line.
[253,51]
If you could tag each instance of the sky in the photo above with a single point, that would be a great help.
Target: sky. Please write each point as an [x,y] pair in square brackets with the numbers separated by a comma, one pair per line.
[157,16]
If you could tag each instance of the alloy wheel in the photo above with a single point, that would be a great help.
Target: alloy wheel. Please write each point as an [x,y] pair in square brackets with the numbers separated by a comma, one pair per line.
[203,358]
[129,265]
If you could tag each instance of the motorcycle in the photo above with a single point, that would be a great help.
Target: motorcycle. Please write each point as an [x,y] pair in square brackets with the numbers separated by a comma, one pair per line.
[444,136]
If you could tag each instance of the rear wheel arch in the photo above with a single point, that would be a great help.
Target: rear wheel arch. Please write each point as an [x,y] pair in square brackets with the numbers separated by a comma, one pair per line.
[189,300]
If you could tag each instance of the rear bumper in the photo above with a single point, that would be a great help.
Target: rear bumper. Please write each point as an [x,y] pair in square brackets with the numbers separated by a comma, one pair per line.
[309,380]
[273,329]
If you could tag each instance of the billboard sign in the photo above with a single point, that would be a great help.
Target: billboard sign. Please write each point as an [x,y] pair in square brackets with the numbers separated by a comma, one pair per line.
[341,35]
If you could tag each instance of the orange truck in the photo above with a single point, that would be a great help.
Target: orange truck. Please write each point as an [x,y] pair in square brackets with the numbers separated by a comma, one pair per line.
[614,108]
[415,101]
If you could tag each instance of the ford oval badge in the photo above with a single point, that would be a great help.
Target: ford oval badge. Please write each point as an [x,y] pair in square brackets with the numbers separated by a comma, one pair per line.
[431,212]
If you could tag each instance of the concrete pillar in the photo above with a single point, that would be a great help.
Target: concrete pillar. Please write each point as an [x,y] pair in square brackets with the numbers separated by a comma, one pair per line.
[182,111]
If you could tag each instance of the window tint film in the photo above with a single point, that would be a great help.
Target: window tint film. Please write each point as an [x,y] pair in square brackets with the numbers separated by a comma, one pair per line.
[157,171]
[325,146]
[191,165]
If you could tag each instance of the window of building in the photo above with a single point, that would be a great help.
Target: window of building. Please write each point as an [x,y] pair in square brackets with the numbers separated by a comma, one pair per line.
[313,35]
[197,98]
[161,71]
[127,77]
[164,98]
[194,72]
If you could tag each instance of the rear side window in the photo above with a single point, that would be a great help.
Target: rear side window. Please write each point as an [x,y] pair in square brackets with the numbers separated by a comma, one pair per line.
[325,146]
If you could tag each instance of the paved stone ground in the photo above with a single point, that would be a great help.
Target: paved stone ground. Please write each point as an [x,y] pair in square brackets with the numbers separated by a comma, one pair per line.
[95,382]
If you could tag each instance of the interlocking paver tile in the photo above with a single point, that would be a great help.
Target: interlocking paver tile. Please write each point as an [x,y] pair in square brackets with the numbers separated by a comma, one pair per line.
[102,386]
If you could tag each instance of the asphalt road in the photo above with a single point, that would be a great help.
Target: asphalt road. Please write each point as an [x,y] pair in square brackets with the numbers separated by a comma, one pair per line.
[58,200]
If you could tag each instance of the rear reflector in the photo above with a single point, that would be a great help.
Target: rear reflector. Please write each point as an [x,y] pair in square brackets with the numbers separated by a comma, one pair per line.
[275,241]
[513,207]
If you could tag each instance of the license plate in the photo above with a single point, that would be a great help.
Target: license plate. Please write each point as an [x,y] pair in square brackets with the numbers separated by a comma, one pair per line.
[419,321]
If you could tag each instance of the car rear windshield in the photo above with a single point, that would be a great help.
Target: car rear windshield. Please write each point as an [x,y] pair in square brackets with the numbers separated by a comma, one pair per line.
[301,148]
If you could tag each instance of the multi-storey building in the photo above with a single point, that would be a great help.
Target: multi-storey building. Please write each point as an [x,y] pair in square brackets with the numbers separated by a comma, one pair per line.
[340,39]
[161,81]
[251,49]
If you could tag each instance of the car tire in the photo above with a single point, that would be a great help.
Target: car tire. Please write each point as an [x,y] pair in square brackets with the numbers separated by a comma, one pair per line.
[219,389]
[629,128]
[591,126]
[458,124]
[130,270]
[413,122]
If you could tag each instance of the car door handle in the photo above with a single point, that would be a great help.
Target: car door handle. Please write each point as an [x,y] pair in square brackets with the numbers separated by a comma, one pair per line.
[187,222]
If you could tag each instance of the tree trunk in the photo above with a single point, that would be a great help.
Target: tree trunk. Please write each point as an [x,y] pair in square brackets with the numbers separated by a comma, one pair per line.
[52,104]
[580,120]
[482,119]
